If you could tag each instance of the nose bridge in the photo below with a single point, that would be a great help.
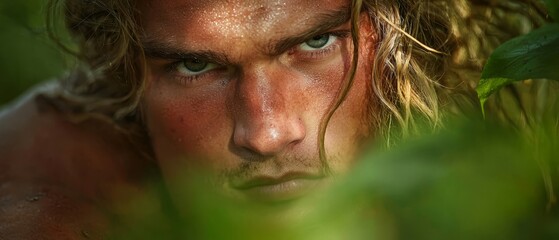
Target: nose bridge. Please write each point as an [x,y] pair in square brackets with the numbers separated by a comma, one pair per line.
[266,121]
[262,95]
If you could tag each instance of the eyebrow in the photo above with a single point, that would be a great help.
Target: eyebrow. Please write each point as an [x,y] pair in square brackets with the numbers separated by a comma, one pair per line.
[163,51]
[326,21]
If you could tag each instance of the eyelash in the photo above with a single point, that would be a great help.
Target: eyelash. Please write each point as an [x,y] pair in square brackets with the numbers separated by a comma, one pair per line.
[306,56]
[184,80]
[317,54]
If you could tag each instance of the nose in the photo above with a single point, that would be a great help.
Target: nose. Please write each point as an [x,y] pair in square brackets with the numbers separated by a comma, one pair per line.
[266,116]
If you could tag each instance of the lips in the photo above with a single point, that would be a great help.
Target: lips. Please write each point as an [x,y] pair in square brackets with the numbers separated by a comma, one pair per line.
[287,187]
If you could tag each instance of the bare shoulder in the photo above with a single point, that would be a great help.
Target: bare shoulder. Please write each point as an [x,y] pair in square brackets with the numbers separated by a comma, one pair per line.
[57,177]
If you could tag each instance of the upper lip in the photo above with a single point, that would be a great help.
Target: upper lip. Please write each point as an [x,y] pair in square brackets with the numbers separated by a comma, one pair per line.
[263,180]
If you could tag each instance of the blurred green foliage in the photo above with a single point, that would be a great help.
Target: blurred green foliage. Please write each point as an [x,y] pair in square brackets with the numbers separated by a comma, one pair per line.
[27,55]
[553,8]
[474,180]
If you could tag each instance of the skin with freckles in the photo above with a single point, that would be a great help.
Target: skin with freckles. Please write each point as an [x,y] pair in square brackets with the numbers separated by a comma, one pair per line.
[236,88]
[241,88]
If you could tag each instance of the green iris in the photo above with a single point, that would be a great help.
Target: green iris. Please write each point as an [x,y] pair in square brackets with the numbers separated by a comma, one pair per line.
[195,64]
[318,41]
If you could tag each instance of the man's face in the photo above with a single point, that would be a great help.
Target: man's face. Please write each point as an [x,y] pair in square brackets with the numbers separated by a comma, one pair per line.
[240,88]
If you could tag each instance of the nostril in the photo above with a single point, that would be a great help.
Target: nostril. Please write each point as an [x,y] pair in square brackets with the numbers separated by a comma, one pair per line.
[269,139]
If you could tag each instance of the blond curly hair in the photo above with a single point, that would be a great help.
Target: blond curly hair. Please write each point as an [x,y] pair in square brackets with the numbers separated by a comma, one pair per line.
[428,57]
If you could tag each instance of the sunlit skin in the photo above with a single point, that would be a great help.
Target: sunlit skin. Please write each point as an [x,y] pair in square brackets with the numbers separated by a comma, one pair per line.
[240,88]
[248,110]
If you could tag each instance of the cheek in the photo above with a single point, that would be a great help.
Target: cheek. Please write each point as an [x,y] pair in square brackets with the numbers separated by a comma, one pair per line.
[348,128]
[350,124]
[183,125]
[325,83]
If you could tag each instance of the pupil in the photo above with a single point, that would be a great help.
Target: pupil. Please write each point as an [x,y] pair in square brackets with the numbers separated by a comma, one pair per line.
[318,41]
[195,65]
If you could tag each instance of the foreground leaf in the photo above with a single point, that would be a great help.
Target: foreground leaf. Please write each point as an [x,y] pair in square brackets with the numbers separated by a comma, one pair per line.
[532,56]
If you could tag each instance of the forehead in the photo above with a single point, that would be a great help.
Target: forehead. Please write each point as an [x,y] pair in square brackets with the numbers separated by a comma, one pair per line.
[200,21]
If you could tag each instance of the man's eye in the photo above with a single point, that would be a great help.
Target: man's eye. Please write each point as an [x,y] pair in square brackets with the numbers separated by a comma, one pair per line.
[318,42]
[195,66]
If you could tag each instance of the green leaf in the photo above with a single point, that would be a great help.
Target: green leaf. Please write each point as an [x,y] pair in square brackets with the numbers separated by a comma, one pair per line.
[532,56]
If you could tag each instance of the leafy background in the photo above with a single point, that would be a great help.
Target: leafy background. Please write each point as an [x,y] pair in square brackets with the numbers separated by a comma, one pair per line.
[27,57]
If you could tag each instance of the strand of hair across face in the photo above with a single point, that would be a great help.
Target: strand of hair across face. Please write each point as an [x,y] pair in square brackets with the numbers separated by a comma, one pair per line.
[355,11]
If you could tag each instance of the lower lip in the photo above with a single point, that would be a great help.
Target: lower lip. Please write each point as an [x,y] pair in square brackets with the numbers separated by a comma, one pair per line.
[282,192]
